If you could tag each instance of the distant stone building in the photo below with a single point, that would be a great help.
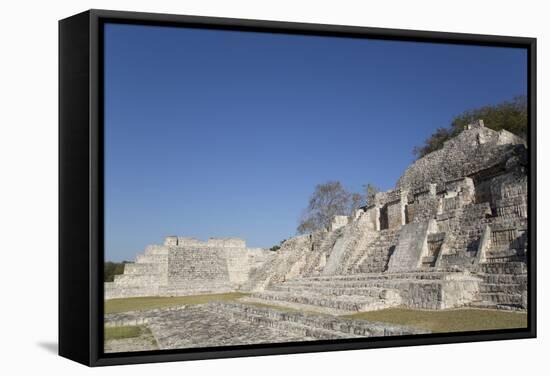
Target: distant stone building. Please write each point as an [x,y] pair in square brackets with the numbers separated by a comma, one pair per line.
[187,266]
[453,232]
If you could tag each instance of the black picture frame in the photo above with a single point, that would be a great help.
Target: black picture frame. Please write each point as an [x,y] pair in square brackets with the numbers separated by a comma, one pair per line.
[81,186]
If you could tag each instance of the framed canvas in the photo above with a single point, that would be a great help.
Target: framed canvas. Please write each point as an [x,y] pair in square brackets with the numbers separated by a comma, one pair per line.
[236,187]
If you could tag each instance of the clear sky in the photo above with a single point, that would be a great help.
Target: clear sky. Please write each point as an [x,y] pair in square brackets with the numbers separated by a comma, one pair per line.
[214,133]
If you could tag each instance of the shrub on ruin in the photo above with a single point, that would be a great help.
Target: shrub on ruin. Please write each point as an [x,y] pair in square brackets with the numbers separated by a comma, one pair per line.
[508,115]
[110,269]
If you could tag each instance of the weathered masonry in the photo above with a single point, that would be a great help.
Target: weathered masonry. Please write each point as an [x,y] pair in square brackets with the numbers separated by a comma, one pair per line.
[452,232]
[186,266]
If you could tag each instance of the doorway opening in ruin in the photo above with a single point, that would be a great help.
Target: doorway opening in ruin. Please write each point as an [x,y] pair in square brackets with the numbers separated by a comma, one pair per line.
[384,221]
[409,213]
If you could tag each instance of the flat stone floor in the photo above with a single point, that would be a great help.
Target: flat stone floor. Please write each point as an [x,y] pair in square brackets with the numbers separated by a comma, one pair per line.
[197,326]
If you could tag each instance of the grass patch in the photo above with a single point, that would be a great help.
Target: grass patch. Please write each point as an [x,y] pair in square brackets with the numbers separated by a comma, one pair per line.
[152,302]
[271,306]
[456,320]
[129,338]
[123,332]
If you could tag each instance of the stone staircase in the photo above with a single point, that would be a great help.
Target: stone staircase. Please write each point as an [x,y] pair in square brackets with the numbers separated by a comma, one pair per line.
[373,291]
[504,270]
[141,278]
[504,285]
[375,258]
[314,264]
[291,259]
[470,228]
[309,325]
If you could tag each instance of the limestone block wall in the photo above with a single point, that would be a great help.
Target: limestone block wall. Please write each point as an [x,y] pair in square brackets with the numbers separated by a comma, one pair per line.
[372,216]
[339,221]
[185,266]
[440,294]
[197,264]
[395,214]
[238,265]
[422,204]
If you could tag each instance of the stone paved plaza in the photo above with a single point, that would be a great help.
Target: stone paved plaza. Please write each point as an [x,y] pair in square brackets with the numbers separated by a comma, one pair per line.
[225,324]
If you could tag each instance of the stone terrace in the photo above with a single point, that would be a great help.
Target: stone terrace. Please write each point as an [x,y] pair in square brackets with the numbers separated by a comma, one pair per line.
[225,324]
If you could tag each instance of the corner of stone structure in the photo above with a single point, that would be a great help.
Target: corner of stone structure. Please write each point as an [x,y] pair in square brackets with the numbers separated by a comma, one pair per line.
[171,240]
[444,250]
[338,221]
[484,244]
[475,124]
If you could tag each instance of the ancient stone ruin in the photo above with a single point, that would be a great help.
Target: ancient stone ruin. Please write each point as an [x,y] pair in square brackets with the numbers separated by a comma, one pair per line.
[452,233]
[187,266]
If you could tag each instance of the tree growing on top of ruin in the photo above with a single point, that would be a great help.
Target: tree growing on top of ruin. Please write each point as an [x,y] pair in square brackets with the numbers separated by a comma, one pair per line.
[328,200]
[509,115]
[370,191]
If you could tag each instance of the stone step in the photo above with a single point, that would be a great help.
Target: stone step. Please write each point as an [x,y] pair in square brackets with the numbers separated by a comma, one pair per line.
[504,268]
[143,268]
[495,260]
[195,288]
[113,291]
[139,279]
[504,278]
[502,307]
[302,329]
[156,250]
[151,259]
[330,290]
[511,288]
[345,284]
[501,298]
[378,276]
[318,326]
[370,268]
[348,303]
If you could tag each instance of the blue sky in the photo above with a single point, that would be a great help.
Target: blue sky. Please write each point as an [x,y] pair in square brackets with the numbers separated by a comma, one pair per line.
[226,133]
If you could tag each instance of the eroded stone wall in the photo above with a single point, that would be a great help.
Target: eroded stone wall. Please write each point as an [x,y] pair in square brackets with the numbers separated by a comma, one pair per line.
[187,266]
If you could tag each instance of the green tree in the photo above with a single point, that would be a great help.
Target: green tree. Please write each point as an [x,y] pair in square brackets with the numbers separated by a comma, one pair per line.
[110,269]
[509,115]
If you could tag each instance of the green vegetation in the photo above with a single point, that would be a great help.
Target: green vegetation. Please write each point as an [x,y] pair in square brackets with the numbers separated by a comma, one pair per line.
[509,115]
[276,247]
[110,269]
[138,336]
[456,320]
[152,302]
[123,332]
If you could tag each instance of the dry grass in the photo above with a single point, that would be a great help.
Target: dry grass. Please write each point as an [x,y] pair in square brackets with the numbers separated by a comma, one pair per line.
[123,332]
[152,302]
[129,338]
[445,321]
